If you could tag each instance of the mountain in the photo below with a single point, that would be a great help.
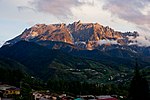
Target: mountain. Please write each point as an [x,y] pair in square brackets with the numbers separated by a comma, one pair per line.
[93,66]
[46,64]
[90,34]
[84,36]
[78,51]
[28,54]
[52,32]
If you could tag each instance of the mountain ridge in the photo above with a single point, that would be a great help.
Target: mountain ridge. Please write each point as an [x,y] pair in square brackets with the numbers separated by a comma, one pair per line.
[83,35]
[79,36]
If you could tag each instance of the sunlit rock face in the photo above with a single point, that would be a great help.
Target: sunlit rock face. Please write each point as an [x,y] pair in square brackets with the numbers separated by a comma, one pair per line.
[41,32]
[82,35]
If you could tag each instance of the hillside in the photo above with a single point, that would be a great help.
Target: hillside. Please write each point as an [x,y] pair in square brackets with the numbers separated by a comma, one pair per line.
[46,64]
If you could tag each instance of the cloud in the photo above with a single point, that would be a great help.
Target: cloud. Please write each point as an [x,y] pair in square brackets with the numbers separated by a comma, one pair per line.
[144,29]
[21,8]
[58,8]
[100,42]
[143,41]
[130,10]
[134,11]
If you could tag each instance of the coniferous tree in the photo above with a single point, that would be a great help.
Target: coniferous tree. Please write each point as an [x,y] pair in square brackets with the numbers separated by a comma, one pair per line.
[139,89]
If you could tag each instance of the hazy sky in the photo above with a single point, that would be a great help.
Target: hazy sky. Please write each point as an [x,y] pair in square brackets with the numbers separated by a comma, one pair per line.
[122,15]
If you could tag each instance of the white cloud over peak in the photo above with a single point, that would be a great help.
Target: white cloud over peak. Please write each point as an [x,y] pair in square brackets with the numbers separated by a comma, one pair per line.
[58,8]
[130,10]
[133,11]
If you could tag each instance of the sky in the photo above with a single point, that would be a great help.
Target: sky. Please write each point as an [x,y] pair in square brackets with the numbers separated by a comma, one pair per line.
[121,15]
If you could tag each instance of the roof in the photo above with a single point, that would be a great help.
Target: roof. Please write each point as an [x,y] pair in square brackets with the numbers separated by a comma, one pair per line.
[106,97]
[7,87]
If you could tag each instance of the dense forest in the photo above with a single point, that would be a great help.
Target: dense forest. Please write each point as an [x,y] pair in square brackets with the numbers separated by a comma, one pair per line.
[136,88]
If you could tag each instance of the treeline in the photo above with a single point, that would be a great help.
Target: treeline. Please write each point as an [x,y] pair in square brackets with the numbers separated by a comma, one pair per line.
[84,88]
[136,88]
[11,76]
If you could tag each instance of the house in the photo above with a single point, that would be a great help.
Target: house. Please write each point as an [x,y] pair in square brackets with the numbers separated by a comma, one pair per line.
[12,91]
[38,95]
[86,97]
[8,90]
[105,97]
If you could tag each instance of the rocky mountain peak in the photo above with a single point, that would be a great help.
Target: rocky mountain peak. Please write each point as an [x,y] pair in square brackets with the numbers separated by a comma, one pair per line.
[82,35]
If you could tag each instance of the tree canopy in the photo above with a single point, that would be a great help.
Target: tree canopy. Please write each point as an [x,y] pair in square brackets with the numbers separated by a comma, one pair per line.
[139,88]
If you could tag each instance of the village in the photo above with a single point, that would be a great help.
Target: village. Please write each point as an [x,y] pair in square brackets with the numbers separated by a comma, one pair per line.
[8,92]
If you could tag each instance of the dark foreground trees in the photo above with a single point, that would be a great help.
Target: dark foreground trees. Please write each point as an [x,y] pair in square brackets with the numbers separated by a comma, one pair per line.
[139,89]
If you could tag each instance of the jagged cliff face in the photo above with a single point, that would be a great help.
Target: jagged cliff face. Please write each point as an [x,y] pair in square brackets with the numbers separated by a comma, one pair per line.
[42,32]
[89,35]
[56,32]
[82,35]
[92,32]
